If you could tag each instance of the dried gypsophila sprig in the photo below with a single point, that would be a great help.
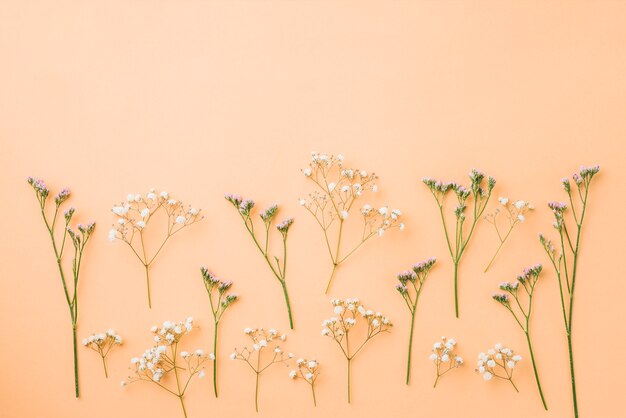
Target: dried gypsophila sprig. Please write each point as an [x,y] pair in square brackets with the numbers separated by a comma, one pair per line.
[497,359]
[338,189]
[159,363]
[133,217]
[220,301]
[410,287]
[565,264]
[279,268]
[307,370]
[515,212]
[79,241]
[480,198]
[102,343]
[349,314]
[443,353]
[525,281]
[262,341]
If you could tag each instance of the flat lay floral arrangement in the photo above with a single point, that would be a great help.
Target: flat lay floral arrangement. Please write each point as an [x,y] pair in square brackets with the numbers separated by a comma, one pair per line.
[341,196]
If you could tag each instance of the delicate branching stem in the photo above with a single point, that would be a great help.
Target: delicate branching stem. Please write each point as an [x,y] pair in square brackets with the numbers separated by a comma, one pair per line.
[480,197]
[276,265]
[79,241]
[566,271]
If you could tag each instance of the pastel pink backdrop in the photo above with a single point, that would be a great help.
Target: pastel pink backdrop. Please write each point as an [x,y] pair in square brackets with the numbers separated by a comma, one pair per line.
[203,98]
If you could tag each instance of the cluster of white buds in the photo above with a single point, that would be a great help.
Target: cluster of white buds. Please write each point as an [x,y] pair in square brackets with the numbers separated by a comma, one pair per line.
[132,219]
[102,343]
[262,341]
[498,362]
[137,210]
[337,189]
[515,212]
[163,360]
[308,370]
[348,312]
[444,358]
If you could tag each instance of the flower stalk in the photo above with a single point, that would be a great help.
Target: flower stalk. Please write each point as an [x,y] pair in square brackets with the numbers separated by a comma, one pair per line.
[480,198]
[220,301]
[165,365]
[133,217]
[337,189]
[79,240]
[262,341]
[444,358]
[410,288]
[307,370]
[102,343]
[277,265]
[527,282]
[349,313]
[565,261]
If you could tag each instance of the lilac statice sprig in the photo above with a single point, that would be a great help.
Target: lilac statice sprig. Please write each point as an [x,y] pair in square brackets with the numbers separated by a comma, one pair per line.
[498,362]
[515,212]
[338,189]
[277,265]
[565,259]
[102,343]
[165,364]
[133,217]
[263,341]
[220,300]
[350,314]
[523,287]
[410,288]
[480,194]
[79,241]
[444,358]
[307,370]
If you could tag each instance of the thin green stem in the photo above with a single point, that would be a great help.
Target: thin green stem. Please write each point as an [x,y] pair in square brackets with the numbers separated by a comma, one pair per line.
[349,364]
[456,291]
[147,266]
[104,364]
[75,360]
[336,258]
[215,359]
[532,358]
[408,365]
[284,285]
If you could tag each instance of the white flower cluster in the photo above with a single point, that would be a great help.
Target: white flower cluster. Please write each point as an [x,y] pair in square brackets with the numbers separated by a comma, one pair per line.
[263,340]
[348,312]
[515,210]
[103,340]
[161,360]
[102,343]
[443,355]
[498,356]
[339,187]
[134,214]
[307,369]
[497,359]
[171,332]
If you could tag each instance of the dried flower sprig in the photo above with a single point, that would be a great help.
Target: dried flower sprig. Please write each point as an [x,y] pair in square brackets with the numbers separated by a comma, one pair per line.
[133,217]
[158,364]
[498,358]
[480,198]
[79,240]
[279,267]
[220,301]
[262,341]
[308,370]
[515,212]
[349,314]
[565,263]
[525,281]
[443,354]
[338,189]
[410,287]
[102,343]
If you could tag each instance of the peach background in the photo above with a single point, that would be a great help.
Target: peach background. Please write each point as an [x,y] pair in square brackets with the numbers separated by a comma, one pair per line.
[202,98]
